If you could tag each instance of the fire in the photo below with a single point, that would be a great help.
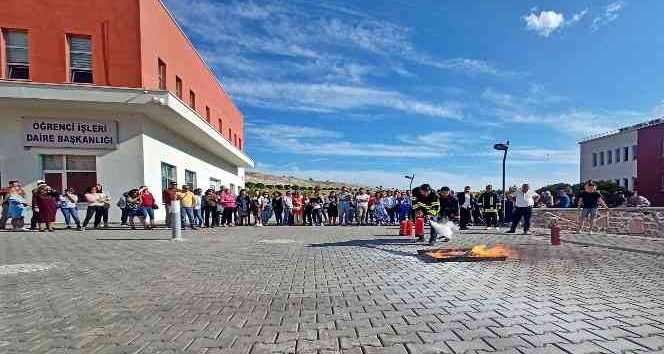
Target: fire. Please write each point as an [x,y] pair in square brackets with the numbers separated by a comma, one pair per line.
[496,251]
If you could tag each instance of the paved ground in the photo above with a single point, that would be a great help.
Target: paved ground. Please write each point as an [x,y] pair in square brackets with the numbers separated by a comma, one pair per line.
[325,290]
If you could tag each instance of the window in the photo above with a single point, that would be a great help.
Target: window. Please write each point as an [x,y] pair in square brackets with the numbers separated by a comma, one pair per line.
[617,153]
[662,186]
[662,147]
[232,188]
[207,114]
[240,145]
[635,152]
[178,87]
[235,139]
[192,99]
[80,59]
[609,157]
[634,184]
[626,183]
[229,134]
[601,158]
[168,175]
[221,125]
[18,62]
[594,159]
[161,67]
[618,182]
[70,171]
[190,179]
[215,184]
[625,154]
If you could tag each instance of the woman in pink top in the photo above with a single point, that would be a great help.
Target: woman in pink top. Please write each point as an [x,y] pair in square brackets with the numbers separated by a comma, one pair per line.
[228,201]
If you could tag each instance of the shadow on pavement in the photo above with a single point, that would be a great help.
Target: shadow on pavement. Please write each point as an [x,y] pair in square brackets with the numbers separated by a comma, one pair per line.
[374,244]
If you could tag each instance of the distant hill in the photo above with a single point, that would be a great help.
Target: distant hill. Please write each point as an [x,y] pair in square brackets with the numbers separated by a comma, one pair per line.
[254,177]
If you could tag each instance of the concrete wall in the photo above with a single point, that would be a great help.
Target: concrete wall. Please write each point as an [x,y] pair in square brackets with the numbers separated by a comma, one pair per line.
[621,221]
[112,25]
[651,164]
[613,171]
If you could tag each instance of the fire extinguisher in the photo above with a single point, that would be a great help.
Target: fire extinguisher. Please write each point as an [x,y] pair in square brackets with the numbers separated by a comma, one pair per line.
[555,234]
[419,227]
[402,228]
[409,228]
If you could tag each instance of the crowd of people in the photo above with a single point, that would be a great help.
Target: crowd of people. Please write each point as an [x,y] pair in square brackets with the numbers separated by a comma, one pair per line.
[222,208]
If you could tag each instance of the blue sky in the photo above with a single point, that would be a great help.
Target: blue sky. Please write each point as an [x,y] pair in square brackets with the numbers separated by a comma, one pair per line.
[367,91]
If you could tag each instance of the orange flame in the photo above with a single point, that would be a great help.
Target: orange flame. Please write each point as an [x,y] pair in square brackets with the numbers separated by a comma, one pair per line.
[496,251]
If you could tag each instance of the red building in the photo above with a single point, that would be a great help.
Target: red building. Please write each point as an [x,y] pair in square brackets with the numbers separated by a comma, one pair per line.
[120,43]
[650,167]
[111,92]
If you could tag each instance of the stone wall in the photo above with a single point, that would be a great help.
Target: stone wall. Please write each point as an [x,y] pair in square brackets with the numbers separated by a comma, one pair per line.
[622,221]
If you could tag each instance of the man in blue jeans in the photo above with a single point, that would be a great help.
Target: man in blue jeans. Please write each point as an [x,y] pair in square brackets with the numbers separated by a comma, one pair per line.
[187,202]
[68,201]
[345,217]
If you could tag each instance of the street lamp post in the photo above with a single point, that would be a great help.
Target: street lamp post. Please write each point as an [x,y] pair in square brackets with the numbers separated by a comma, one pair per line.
[503,147]
[411,178]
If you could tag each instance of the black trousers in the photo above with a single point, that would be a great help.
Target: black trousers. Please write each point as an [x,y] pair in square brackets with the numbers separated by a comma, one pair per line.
[526,213]
[491,218]
[124,216]
[208,213]
[93,211]
[34,219]
[279,215]
[465,218]
[227,217]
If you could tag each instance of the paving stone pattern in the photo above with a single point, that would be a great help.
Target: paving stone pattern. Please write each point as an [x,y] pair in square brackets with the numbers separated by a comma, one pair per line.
[326,290]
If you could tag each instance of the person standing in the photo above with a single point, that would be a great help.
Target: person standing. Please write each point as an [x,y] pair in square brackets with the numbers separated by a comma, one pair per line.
[405,204]
[344,206]
[148,206]
[308,210]
[563,199]
[16,206]
[169,194]
[35,210]
[316,202]
[390,206]
[425,205]
[524,200]
[380,212]
[122,204]
[466,206]
[298,210]
[134,209]
[243,207]
[209,202]
[288,209]
[198,207]
[362,201]
[187,201]
[228,201]
[12,189]
[278,207]
[265,208]
[94,204]
[105,199]
[46,201]
[589,203]
[68,207]
[488,201]
[332,208]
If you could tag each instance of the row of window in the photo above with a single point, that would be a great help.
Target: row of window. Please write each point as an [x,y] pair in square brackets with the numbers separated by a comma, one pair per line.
[17,49]
[614,156]
[161,70]
[169,175]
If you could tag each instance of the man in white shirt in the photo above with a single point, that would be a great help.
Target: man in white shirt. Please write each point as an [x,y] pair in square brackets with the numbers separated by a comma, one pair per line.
[524,201]
[362,200]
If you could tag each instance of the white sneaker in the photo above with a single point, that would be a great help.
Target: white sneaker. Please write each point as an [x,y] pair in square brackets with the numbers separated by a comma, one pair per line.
[591,232]
[497,229]
[488,228]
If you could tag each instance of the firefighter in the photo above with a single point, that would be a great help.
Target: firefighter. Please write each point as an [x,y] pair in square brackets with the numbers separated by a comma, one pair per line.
[425,205]
[488,202]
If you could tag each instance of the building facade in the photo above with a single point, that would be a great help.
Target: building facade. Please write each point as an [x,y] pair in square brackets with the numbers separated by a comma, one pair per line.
[611,157]
[651,163]
[111,92]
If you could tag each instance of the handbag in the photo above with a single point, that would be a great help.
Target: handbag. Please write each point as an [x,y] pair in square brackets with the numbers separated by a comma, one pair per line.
[155,206]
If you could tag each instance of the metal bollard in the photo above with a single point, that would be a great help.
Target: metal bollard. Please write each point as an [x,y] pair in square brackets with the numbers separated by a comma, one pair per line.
[176,221]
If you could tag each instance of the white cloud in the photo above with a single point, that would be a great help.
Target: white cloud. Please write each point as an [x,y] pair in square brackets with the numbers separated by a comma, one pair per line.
[548,22]
[580,124]
[611,13]
[498,98]
[545,23]
[327,97]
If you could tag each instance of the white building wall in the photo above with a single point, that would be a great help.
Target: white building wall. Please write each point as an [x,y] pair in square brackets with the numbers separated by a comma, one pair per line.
[142,145]
[163,145]
[615,170]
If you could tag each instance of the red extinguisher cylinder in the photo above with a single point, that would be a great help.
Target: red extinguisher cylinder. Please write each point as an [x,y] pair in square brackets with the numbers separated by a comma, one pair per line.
[409,228]
[402,228]
[419,227]
[555,235]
